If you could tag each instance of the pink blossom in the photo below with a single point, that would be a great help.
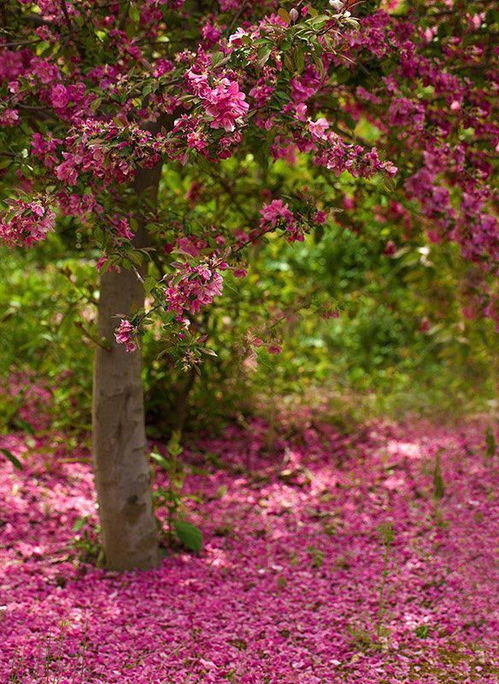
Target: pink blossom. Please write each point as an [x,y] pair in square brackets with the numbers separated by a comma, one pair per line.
[274,348]
[44,70]
[67,171]
[27,222]
[404,112]
[390,248]
[9,117]
[125,334]
[162,66]
[196,287]
[261,93]
[275,214]
[121,227]
[210,33]
[59,96]
[318,128]
[226,104]
[275,211]
[101,262]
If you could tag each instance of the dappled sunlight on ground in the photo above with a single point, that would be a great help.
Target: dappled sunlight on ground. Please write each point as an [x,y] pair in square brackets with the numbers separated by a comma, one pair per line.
[327,558]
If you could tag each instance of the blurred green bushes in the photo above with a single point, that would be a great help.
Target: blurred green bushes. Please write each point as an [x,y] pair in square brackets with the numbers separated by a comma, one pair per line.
[399,344]
[46,300]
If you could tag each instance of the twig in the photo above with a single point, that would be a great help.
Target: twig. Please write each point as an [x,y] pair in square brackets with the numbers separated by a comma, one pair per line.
[103,343]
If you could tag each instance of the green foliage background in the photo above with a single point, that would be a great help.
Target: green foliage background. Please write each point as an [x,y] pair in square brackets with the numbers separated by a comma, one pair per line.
[371,360]
[374,359]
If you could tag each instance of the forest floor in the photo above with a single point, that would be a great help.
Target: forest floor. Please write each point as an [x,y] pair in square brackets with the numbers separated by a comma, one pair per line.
[327,558]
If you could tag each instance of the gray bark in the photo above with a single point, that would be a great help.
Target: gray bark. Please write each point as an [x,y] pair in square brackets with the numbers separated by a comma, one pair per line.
[122,473]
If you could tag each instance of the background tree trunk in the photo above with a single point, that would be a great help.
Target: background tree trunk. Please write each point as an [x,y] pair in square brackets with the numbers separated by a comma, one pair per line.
[122,473]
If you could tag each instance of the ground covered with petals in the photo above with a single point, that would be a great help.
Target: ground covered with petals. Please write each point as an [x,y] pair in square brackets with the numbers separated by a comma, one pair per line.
[327,558]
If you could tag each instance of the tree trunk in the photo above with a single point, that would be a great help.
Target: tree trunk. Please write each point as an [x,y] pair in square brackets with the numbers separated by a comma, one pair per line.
[122,473]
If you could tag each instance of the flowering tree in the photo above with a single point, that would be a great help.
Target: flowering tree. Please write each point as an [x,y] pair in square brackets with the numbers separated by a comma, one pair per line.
[99,99]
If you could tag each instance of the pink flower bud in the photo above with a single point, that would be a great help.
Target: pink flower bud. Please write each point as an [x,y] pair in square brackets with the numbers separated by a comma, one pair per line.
[274,349]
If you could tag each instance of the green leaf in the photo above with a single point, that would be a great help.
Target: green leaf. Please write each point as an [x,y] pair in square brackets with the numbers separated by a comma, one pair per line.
[349,120]
[23,425]
[160,459]
[80,523]
[216,58]
[318,234]
[264,54]
[174,447]
[189,535]
[150,283]
[490,442]
[299,57]
[284,14]
[318,21]
[386,533]
[13,459]
[438,480]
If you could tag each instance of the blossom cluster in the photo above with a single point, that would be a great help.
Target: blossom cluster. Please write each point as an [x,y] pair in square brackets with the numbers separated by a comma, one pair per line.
[245,80]
[193,287]
[277,213]
[224,102]
[125,334]
[27,222]
[432,106]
